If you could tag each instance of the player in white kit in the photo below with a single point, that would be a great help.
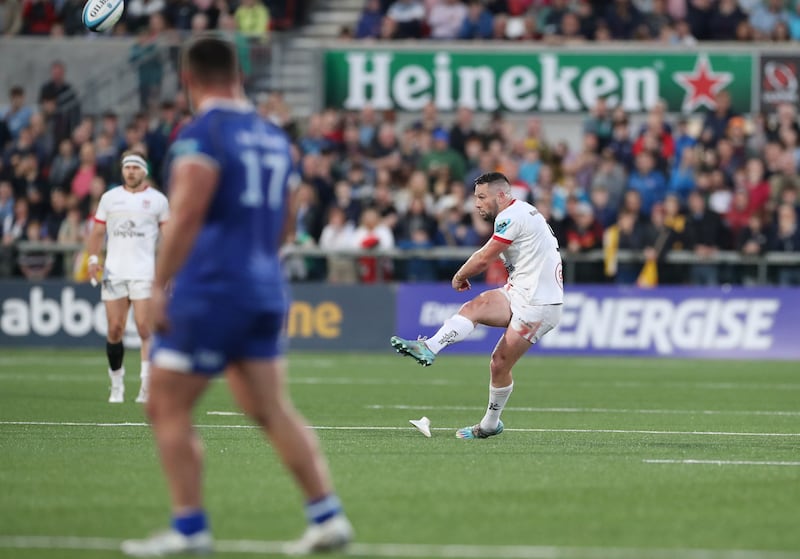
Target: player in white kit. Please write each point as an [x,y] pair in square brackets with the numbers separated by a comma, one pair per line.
[528,306]
[130,215]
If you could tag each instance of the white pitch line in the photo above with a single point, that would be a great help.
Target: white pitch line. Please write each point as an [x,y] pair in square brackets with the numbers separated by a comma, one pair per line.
[723,462]
[395,428]
[400,550]
[590,410]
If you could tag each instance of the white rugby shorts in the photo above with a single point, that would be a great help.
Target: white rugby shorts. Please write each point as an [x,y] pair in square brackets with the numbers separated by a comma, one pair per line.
[134,290]
[530,321]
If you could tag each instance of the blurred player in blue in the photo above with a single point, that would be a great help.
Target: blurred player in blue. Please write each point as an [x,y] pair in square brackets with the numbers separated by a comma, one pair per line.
[228,188]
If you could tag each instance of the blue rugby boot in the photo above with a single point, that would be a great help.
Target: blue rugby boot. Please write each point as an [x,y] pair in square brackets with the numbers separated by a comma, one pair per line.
[414,348]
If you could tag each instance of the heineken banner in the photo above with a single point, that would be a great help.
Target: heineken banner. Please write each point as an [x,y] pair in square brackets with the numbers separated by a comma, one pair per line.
[726,323]
[544,81]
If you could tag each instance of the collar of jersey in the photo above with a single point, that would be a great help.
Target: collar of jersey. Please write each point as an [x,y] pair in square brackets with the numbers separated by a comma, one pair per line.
[212,103]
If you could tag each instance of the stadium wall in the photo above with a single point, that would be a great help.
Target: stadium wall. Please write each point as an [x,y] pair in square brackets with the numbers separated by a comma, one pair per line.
[724,322]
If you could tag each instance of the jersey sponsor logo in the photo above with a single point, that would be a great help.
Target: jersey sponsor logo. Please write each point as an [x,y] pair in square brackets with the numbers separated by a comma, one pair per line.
[502,225]
[560,275]
[665,326]
[127,230]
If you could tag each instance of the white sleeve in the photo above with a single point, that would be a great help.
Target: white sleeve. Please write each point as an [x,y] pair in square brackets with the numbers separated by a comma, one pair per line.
[164,213]
[506,229]
[101,215]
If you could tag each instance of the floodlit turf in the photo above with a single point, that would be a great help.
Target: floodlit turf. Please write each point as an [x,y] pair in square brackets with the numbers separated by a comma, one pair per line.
[571,470]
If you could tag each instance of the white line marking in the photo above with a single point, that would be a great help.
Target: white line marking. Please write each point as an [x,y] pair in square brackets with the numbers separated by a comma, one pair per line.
[226,413]
[724,462]
[401,550]
[393,428]
[590,410]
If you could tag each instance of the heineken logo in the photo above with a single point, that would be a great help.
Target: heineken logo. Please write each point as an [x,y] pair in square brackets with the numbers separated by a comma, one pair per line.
[702,85]
[545,81]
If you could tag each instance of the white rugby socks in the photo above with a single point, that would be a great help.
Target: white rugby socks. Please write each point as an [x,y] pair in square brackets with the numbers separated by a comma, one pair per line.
[497,401]
[455,329]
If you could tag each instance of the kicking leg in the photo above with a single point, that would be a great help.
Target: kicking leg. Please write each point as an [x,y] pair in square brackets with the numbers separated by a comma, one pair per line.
[117,315]
[490,308]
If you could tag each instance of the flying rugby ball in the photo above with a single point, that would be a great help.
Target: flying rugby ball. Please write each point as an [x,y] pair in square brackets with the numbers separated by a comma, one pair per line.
[102,15]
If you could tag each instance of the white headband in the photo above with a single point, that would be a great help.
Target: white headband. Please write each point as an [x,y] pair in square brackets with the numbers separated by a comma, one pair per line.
[135,160]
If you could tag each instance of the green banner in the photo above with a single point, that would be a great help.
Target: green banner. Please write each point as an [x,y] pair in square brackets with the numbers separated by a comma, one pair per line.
[535,81]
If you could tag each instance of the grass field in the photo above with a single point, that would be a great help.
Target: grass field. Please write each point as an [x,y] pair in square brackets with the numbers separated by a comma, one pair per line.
[601,458]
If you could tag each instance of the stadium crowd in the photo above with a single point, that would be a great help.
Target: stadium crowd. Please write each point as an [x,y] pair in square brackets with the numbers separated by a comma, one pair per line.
[575,21]
[718,181]
[57,18]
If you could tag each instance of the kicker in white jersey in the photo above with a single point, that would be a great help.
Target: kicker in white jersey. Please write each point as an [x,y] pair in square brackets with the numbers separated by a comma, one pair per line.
[532,258]
[132,222]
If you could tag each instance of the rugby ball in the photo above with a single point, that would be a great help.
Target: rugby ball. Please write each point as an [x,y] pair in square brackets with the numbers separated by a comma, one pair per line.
[102,15]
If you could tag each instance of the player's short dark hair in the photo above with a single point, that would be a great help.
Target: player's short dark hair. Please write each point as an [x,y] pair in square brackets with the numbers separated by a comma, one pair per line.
[491,178]
[16,91]
[211,59]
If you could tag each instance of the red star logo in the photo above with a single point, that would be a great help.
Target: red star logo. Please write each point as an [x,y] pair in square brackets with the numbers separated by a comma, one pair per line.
[701,84]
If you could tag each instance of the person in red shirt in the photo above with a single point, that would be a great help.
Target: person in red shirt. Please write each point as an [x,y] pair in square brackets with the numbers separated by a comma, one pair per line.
[756,184]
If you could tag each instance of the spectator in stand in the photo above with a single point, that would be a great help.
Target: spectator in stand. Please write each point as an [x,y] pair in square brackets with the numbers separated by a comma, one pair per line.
[369,22]
[479,22]
[599,123]
[611,177]
[628,234]
[406,18]
[648,182]
[622,18]
[338,235]
[698,18]
[794,22]
[445,18]
[17,115]
[67,102]
[725,20]
[584,233]
[10,18]
[6,203]
[756,185]
[442,156]
[81,182]
[373,234]
[15,225]
[38,17]
[138,12]
[682,179]
[705,236]
[621,146]
[178,14]
[716,122]
[785,237]
[252,17]
[657,18]
[766,16]
[463,129]
[553,16]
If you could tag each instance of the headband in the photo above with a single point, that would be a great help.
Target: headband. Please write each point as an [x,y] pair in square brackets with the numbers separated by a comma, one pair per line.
[135,160]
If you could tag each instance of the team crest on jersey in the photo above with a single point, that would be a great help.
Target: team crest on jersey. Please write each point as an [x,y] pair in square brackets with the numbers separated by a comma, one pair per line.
[501,226]
[146,204]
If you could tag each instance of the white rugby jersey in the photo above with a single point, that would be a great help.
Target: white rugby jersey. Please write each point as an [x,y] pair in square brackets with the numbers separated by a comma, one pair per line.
[532,258]
[132,221]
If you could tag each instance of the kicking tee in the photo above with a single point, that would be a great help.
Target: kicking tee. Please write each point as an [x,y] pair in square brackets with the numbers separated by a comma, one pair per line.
[531,258]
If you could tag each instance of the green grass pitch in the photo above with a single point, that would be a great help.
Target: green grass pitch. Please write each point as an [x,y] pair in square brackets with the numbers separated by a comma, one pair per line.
[601,458]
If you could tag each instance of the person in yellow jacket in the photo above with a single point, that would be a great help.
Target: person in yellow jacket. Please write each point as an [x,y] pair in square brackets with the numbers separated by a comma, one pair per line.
[252,18]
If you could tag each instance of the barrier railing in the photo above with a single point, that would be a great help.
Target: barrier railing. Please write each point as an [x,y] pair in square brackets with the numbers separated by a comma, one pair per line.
[762,263]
